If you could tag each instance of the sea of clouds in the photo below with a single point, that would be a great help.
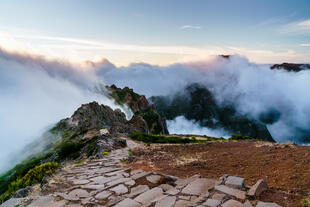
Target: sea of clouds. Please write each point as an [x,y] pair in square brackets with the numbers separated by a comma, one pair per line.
[35,93]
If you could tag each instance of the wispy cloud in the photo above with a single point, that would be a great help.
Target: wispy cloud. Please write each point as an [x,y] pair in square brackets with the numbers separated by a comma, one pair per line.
[304,45]
[299,27]
[190,27]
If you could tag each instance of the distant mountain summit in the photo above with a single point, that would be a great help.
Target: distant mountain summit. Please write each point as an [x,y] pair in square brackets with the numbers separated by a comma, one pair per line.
[291,67]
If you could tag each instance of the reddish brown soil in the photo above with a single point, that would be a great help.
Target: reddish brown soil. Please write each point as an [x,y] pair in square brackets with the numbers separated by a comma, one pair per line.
[285,167]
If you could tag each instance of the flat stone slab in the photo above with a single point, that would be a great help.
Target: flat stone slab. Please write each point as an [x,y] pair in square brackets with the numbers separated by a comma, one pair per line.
[166,187]
[47,201]
[120,189]
[219,196]
[235,182]
[232,203]
[79,193]
[267,204]
[212,203]
[140,175]
[93,187]
[138,190]
[102,180]
[168,201]
[153,178]
[103,195]
[118,181]
[150,196]
[199,186]
[182,203]
[231,191]
[128,203]
[12,202]
[172,191]
[80,182]
[183,182]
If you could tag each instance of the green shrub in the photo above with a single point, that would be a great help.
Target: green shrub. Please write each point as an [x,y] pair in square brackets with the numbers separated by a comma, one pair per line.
[151,138]
[240,137]
[305,203]
[69,150]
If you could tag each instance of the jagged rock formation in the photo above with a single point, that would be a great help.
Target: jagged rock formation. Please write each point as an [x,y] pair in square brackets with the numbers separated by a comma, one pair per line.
[143,111]
[197,103]
[291,67]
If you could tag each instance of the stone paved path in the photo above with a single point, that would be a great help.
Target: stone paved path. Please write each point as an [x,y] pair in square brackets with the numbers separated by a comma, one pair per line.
[106,182]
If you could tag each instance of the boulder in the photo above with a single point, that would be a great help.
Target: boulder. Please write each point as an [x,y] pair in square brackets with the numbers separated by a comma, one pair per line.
[258,188]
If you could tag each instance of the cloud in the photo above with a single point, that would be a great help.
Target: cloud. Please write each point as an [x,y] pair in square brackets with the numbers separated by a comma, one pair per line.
[298,27]
[190,27]
[304,45]
[36,93]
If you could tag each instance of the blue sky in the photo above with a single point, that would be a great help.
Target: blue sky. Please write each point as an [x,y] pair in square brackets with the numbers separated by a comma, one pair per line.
[158,31]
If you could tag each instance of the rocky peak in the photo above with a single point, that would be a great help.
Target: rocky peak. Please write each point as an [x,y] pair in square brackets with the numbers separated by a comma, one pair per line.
[290,67]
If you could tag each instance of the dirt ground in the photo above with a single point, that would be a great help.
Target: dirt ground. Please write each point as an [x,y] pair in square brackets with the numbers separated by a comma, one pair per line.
[285,167]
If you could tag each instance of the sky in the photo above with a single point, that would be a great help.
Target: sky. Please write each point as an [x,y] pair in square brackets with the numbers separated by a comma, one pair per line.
[157,31]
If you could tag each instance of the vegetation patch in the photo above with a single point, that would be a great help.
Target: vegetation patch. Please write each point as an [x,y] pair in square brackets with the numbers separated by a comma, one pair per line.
[33,176]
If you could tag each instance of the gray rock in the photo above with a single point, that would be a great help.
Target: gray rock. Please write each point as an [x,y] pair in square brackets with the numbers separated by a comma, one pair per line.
[93,187]
[79,193]
[172,191]
[128,203]
[182,203]
[183,182]
[103,195]
[235,182]
[231,191]
[267,204]
[232,203]
[258,188]
[118,181]
[120,189]
[153,178]
[150,196]
[12,202]
[138,190]
[22,192]
[212,203]
[166,187]
[140,175]
[199,186]
[80,182]
[219,196]
[168,201]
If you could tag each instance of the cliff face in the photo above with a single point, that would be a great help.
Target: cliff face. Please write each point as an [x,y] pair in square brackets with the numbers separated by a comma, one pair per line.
[197,103]
[142,109]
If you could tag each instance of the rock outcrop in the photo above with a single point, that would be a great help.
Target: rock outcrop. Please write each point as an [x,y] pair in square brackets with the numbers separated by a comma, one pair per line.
[290,67]
[142,110]
[197,103]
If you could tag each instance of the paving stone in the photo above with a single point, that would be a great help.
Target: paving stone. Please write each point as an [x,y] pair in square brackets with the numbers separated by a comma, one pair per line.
[114,200]
[232,203]
[118,181]
[67,197]
[168,201]
[166,187]
[103,195]
[80,182]
[93,187]
[231,191]
[172,191]
[219,196]
[140,175]
[138,190]
[199,186]
[212,203]
[102,180]
[247,204]
[79,193]
[259,187]
[150,196]
[267,204]
[120,189]
[153,178]
[130,183]
[235,182]
[183,182]
[128,203]
[182,203]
